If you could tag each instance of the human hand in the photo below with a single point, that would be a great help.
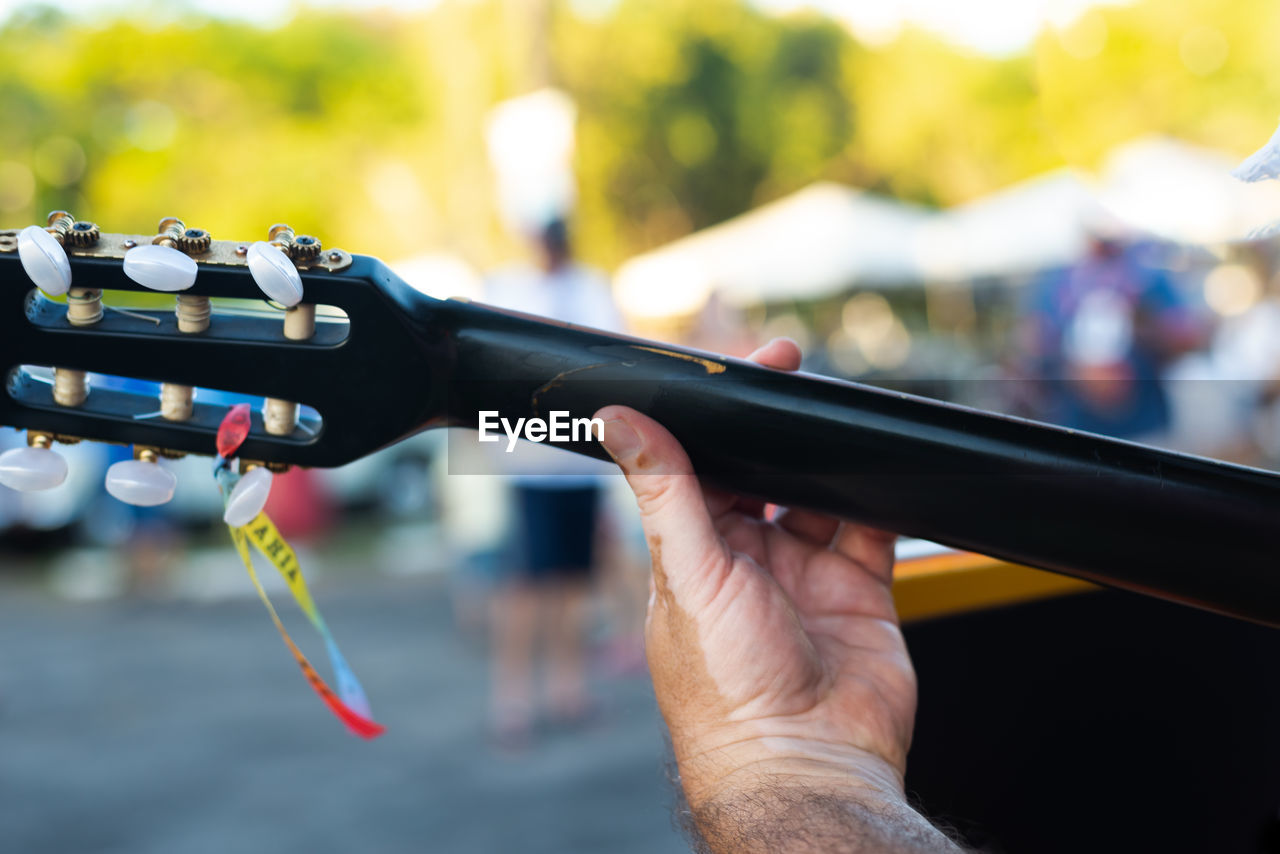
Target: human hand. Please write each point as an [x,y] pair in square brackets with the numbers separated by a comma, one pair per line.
[774,645]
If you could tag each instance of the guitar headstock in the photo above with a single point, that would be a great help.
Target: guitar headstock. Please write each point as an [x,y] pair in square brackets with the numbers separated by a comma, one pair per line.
[363,366]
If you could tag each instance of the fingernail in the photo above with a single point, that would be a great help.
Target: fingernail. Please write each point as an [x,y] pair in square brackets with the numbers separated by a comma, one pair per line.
[620,440]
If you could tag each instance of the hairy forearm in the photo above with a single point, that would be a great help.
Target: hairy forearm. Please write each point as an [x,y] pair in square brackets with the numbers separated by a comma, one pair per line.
[798,798]
[781,817]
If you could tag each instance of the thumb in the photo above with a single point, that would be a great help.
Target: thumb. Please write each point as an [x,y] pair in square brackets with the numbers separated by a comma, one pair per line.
[687,552]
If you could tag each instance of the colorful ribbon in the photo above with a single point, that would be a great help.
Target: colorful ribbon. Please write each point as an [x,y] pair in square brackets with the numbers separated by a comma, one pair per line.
[350,704]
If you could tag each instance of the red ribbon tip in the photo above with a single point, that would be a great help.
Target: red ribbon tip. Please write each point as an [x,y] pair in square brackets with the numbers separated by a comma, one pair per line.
[233,430]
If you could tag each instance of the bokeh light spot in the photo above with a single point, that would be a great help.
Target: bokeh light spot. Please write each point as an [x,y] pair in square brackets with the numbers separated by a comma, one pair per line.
[1086,37]
[59,161]
[17,185]
[1204,50]
[1232,289]
[151,126]
[691,138]
[869,322]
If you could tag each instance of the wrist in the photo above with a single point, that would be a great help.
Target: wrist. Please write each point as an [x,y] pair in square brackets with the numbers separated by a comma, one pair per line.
[727,767]
[802,799]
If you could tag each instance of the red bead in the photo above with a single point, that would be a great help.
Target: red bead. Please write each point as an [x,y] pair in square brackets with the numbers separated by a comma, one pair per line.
[233,430]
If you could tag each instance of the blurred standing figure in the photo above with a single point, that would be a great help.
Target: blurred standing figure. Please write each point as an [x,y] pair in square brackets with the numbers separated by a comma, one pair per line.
[557,499]
[1245,359]
[1097,337]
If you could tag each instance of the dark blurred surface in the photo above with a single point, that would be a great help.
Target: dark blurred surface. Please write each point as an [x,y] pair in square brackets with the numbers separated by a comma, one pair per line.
[145,726]
[1104,722]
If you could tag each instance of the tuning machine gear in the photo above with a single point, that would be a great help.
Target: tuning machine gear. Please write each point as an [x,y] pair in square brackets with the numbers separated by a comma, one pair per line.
[306,247]
[302,247]
[194,241]
[82,233]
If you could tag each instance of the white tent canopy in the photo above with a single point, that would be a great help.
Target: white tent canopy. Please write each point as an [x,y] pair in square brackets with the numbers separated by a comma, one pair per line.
[827,237]
[1029,226]
[1153,185]
[808,244]
[1185,193]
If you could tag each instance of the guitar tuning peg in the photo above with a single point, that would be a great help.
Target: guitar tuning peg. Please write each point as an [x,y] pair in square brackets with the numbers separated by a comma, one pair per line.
[248,497]
[164,265]
[43,255]
[44,260]
[141,482]
[275,273]
[33,468]
[271,265]
[160,268]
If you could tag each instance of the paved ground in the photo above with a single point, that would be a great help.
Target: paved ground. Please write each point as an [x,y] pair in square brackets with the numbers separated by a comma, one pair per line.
[174,727]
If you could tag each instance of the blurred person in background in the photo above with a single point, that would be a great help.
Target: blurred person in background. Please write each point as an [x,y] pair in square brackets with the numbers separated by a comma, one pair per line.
[623,569]
[1097,337]
[1244,361]
[542,595]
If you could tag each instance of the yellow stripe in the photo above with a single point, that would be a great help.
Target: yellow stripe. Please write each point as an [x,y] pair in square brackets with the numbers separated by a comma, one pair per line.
[237,534]
[958,582]
[710,366]
[262,532]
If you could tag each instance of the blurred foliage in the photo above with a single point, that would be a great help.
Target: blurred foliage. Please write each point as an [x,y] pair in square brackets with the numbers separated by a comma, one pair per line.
[1203,70]
[692,112]
[367,129]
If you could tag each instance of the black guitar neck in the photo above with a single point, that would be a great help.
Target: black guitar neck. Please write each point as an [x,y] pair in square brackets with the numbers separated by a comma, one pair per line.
[1126,515]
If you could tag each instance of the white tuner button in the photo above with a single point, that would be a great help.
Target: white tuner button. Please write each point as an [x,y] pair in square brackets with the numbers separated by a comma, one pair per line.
[32,469]
[160,268]
[44,260]
[141,483]
[275,274]
[248,498]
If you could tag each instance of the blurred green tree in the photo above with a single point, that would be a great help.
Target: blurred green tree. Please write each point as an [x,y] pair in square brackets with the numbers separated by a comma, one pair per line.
[368,128]
[692,113]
